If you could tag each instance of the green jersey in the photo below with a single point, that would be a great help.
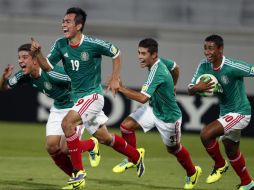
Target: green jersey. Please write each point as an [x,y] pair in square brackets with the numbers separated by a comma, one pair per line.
[159,87]
[230,76]
[55,84]
[170,64]
[82,63]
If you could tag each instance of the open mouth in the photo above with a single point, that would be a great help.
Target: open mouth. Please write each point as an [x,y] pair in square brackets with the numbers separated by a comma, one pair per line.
[23,66]
[65,30]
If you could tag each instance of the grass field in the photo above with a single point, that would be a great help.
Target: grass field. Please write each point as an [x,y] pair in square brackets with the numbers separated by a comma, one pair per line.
[24,164]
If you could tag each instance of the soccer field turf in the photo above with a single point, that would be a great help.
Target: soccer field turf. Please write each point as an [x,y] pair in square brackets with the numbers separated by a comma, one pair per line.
[24,163]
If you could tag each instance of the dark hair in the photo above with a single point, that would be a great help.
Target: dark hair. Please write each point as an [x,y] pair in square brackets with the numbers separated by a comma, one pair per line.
[218,40]
[25,47]
[80,17]
[150,44]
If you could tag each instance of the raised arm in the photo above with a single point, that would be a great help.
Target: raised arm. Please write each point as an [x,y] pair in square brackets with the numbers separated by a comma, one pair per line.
[36,52]
[5,76]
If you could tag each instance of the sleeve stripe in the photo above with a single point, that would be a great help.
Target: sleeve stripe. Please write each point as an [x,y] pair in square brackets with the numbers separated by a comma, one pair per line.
[238,66]
[151,74]
[19,75]
[97,41]
[58,75]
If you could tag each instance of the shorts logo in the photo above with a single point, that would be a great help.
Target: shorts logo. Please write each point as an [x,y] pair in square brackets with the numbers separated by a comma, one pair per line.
[84,56]
[47,85]
[252,70]
[13,81]
[113,49]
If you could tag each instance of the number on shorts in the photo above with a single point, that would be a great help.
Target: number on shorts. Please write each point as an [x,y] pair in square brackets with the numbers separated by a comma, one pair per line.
[228,118]
[80,101]
[172,138]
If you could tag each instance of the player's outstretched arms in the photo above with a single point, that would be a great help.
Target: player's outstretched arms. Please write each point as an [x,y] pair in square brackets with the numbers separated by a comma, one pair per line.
[5,76]
[36,52]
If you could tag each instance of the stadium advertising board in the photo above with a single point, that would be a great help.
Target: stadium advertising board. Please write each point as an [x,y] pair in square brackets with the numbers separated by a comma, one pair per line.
[27,105]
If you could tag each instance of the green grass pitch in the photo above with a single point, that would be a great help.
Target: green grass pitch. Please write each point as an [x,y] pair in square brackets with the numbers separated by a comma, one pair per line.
[24,163]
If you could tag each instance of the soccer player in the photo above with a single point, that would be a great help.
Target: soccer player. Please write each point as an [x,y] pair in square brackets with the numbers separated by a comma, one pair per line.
[81,56]
[56,85]
[161,112]
[235,109]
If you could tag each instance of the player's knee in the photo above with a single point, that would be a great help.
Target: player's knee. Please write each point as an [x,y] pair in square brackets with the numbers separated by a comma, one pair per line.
[231,148]
[67,126]
[52,148]
[204,136]
[129,124]
[173,149]
[106,139]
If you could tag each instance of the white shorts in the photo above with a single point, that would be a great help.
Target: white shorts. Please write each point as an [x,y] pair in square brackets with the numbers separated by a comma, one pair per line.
[233,123]
[53,126]
[170,132]
[90,110]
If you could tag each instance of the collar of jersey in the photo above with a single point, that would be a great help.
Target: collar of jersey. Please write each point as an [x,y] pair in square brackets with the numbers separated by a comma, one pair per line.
[221,65]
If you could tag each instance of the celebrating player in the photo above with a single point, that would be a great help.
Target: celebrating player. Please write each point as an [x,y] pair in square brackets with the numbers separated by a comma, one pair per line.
[81,56]
[56,85]
[235,109]
[162,111]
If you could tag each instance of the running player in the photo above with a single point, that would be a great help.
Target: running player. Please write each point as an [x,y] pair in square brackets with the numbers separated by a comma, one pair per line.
[56,85]
[162,111]
[81,56]
[235,109]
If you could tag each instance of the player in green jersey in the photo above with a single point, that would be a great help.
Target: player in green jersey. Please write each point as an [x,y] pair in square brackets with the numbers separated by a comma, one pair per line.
[56,85]
[81,56]
[235,109]
[162,111]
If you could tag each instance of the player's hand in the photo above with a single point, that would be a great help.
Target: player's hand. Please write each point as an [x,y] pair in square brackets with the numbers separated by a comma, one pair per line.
[7,72]
[35,47]
[205,86]
[113,85]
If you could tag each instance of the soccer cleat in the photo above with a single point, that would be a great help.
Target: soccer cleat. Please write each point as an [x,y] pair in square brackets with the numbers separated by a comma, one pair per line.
[250,186]
[192,180]
[77,176]
[217,173]
[78,185]
[140,164]
[123,166]
[94,155]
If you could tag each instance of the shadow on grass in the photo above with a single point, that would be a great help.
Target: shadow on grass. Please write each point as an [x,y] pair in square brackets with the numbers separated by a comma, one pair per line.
[19,185]
[16,185]
[122,183]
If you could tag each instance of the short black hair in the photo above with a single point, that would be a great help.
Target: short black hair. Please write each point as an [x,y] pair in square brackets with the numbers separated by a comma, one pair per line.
[150,44]
[80,17]
[25,47]
[218,40]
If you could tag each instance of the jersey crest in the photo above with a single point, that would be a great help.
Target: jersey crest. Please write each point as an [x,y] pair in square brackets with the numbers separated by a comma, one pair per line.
[224,79]
[84,56]
[47,85]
